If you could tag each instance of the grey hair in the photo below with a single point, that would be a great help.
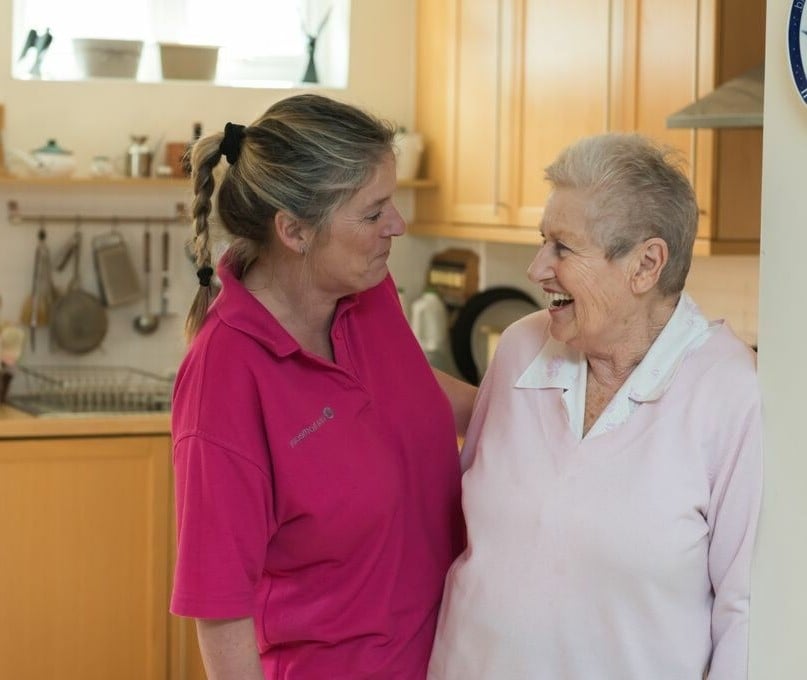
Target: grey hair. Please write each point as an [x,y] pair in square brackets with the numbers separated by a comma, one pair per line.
[638,192]
[306,155]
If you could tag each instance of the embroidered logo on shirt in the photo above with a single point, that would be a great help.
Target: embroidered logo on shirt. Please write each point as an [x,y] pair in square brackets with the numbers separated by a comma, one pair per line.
[327,414]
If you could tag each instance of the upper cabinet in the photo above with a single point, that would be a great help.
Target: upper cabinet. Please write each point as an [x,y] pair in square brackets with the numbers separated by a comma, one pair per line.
[492,110]
[504,85]
[672,53]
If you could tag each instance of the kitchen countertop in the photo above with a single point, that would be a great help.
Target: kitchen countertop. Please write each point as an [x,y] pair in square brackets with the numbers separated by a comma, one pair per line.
[15,424]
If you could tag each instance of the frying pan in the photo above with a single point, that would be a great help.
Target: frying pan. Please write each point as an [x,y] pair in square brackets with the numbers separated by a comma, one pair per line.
[79,321]
[499,306]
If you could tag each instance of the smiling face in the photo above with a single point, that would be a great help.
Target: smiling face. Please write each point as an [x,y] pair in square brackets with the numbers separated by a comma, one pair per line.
[591,301]
[351,256]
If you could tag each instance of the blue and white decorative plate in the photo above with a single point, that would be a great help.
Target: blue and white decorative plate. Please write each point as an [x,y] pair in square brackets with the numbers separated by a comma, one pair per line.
[797,46]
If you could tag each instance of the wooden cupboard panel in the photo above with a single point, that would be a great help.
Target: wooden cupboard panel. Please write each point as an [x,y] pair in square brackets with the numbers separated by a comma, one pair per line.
[563,90]
[185,661]
[738,153]
[83,577]
[482,110]
[742,37]
[436,25]
[503,85]
[738,190]
[672,47]
[667,66]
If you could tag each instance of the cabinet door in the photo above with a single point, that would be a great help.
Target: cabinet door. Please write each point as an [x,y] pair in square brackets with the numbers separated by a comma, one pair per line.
[185,659]
[674,53]
[738,153]
[482,111]
[668,56]
[562,90]
[503,86]
[84,570]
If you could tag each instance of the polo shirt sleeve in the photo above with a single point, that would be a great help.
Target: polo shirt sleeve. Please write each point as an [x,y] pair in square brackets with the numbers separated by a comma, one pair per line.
[732,517]
[224,523]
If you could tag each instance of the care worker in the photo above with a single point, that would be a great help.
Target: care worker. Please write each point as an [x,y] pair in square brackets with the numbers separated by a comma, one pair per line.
[614,455]
[315,453]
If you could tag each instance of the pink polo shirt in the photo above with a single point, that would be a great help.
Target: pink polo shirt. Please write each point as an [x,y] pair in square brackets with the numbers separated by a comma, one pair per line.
[320,498]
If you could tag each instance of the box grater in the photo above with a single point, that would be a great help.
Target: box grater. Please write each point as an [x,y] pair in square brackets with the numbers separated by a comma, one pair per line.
[117,278]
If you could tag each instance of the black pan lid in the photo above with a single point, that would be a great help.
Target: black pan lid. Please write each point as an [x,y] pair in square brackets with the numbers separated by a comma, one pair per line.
[490,310]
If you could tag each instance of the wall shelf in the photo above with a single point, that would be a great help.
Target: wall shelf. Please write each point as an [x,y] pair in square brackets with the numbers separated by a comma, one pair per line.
[15,181]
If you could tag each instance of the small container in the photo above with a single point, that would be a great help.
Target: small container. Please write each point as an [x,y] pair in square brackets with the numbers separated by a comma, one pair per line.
[430,327]
[101,166]
[175,158]
[50,160]
[188,62]
[5,383]
[138,157]
[408,149]
[100,58]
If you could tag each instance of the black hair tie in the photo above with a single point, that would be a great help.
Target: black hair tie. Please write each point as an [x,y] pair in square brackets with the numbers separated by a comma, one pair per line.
[204,275]
[230,146]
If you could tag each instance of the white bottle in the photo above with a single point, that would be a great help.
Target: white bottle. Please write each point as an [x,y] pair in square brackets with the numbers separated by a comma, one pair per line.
[430,326]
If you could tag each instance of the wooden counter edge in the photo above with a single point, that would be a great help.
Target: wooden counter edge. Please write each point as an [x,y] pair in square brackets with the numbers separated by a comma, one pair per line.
[15,424]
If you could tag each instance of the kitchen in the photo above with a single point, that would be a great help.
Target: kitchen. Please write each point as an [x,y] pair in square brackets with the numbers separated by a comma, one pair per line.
[382,77]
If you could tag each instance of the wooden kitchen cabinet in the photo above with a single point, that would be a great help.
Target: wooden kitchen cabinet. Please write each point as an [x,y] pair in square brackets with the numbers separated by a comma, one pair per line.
[672,53]
[84,573]
[185,659]
[503,85]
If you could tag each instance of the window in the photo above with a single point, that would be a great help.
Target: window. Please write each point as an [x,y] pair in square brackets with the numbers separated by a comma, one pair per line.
[261,43]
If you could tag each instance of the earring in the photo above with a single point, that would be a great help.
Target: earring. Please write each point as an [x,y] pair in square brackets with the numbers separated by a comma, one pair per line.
[303,249]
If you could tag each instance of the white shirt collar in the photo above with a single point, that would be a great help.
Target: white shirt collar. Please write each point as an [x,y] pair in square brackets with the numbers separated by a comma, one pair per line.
[559,366]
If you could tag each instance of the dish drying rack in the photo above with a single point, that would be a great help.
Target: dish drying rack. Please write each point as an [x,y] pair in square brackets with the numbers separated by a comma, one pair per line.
[82,389]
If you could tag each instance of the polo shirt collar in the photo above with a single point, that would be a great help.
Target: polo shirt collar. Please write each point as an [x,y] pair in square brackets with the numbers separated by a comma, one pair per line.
[239,309]
[558,365]
[686,329]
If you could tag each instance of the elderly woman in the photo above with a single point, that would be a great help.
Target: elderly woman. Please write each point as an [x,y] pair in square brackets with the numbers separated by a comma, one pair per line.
[614,458]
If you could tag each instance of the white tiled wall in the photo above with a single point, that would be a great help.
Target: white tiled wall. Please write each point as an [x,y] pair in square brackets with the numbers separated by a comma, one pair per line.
[727,287]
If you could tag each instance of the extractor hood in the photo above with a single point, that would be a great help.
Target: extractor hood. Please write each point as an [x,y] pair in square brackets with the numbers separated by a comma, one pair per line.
[735,103]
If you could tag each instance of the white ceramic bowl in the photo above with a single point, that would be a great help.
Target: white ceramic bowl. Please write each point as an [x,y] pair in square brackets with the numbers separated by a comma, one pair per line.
[101,58]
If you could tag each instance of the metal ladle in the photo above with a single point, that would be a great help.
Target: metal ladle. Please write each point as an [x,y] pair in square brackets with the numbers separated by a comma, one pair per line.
[146,323]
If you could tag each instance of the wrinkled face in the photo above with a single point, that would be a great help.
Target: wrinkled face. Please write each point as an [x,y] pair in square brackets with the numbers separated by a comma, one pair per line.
[353,254]
[590,298]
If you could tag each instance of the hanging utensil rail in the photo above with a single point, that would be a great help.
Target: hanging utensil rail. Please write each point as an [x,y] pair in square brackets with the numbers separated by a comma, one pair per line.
[180,216]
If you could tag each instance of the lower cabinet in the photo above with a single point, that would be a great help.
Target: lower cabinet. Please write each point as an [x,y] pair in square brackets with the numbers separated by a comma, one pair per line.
[184,658]
[185,661]
[86,561]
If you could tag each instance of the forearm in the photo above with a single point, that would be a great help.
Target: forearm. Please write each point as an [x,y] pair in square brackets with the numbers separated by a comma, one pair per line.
[229,649]
[461,395]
